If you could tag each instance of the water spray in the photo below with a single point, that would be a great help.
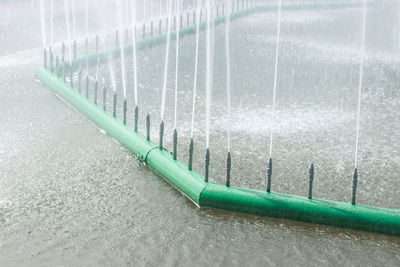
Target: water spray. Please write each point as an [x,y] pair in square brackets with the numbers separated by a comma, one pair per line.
[135,86]
[228,98]
[278,34]
[166,63]
[360,86]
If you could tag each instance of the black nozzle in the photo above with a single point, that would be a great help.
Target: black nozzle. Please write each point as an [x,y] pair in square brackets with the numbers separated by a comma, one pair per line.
[354,188]
[310,181]
[124,111]
[228,169]
[115,104]
[191,149]
[175,144]
[269,175]
[207,165]
[161,135]
[148,127]
[96,88]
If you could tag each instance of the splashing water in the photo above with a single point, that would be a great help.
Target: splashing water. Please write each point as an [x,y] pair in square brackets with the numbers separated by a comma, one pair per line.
[121,47]
[166,61]
[97,68]
[87,18]
[51,22]
[196,65]
[177,10]
[228,78]
[66,11]
[278,35]
[208,74]
[43,23]
[360,81]
[73,19]
[111,71]
[135,87]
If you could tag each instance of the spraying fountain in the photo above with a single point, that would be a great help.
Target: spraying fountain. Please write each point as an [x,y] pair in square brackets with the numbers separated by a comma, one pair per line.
[195,186]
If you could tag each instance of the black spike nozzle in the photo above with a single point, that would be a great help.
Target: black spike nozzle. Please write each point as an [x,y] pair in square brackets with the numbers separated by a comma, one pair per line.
[137,118]
[51,61]
[125,106]
[269,175]
[104,98]
[45,58]
[161,135]
[74,49]
[65,72]
[97,43]
[175,144]
[207,165]
[63,52]
[71,76]
[87,86]
[115,104]
[228,169]
[57,66]
[354,188]
[148,127]
[80,81]
[191,150]
[96,88]
[310,181]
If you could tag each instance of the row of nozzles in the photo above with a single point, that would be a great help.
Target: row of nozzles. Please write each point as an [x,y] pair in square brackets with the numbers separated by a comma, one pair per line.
[68,67]
[175,134]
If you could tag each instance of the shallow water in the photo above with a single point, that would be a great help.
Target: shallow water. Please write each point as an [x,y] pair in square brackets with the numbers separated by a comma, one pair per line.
[69,195]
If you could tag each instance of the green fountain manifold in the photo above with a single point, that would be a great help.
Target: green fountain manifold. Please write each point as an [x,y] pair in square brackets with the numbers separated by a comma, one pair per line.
[207,194]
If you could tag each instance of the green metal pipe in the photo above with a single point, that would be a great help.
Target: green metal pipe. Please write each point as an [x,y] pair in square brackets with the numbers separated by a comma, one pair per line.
[299,208]
[205,194]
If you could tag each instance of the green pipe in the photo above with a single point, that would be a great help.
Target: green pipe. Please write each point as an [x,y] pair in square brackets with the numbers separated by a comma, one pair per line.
[205,194]
[298,208]
[161,161]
